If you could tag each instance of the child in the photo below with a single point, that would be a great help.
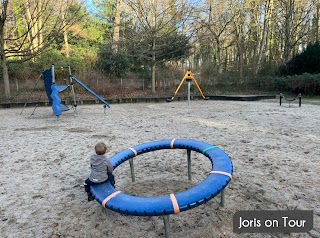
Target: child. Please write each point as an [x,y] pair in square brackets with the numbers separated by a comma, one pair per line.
[101,169]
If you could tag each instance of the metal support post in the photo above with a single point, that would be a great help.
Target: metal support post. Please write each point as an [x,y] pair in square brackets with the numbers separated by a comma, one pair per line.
[52,73]
[189,163]
[132,170]
[72,89]
[166,226]
[222,198]
[189,85]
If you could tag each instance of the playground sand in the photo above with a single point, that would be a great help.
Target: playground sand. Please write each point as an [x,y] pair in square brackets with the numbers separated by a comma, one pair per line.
[43,162]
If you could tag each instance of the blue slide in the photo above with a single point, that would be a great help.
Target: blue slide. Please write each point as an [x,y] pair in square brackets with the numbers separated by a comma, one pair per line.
[56,100]
[53,91]
[90,91]
[217,180]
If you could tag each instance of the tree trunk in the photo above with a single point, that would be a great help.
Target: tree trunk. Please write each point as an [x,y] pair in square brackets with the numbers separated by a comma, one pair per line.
[66,46]
[66,43]
[116,29]
[33,27]
[153,79]
[5,74]
[225,66]
[40,25]
[220,68]
[288,29]
[40,36]
[241,64]
[317,22]
[264,40]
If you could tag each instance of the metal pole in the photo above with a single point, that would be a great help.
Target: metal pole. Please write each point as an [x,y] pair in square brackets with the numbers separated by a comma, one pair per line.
[36,106]
[72,89]
[52,73]
[189,163]
[132,170]
[222,198]
[166,226]
[299,99]
[189,85]
[31,94]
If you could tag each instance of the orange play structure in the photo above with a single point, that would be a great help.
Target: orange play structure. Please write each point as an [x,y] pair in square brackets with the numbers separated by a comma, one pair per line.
[188,77]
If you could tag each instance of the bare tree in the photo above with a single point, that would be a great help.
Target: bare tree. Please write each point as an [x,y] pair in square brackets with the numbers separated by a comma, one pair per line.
[156,32]
[316,18]
[268,6]
[215,21]
[32,26]
[3,18]
[116,29]
[294,23]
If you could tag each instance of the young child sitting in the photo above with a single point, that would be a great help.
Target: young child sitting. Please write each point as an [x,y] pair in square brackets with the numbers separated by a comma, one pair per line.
[101,169]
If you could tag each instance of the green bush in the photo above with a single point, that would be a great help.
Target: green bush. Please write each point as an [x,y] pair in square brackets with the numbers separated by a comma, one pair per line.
[306,62]
[45,60]
[282,84]
[113,64]
[262,82]
[308,84]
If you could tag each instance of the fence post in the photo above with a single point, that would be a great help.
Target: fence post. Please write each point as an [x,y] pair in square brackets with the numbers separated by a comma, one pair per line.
[299,99]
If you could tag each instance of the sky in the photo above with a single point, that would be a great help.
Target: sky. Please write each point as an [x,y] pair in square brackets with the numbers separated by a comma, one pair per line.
[89,5]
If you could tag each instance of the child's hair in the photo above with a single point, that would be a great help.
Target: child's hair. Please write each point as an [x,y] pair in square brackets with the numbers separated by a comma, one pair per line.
[100,148]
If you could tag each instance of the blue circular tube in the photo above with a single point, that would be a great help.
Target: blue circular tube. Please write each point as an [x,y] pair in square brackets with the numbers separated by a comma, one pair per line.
[157,206]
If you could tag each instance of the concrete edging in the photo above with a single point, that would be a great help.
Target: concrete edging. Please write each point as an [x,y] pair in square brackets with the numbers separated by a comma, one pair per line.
[142,100]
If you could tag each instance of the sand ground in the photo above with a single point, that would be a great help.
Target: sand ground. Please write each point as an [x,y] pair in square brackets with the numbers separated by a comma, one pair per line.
[43,162]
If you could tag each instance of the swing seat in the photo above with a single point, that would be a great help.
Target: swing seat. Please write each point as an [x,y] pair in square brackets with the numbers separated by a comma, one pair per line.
[169,100]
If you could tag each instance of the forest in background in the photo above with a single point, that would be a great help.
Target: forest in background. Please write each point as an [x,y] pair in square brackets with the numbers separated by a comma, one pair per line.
[133,47]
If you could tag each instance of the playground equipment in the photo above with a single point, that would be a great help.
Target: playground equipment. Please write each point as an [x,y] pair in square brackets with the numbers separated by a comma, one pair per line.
[187,77]
[215,183]
[290,100]
[53,90]
[32,91]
